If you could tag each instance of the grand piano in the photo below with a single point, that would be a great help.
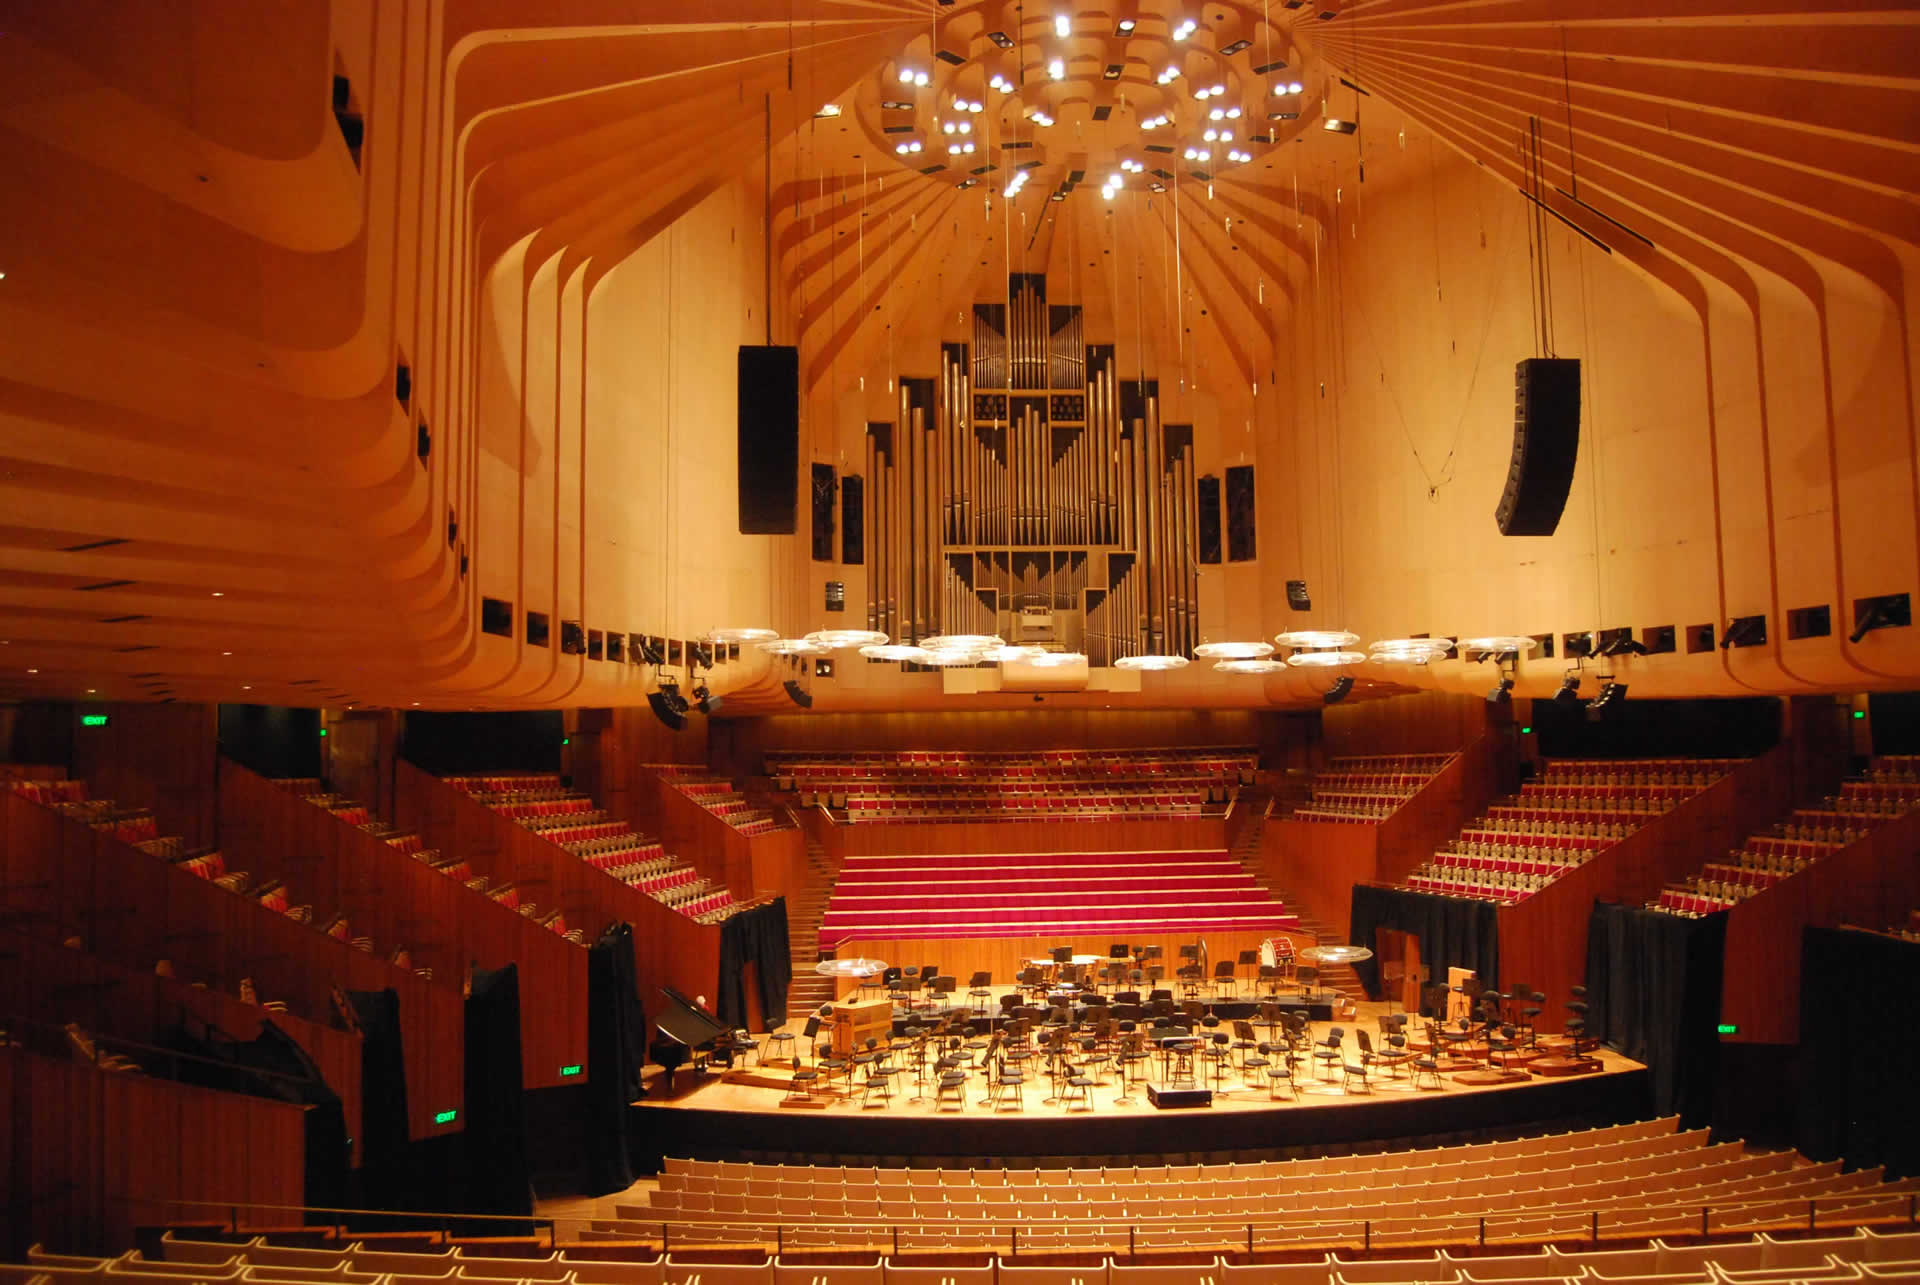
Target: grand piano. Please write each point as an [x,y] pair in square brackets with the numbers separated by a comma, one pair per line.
[688,1032]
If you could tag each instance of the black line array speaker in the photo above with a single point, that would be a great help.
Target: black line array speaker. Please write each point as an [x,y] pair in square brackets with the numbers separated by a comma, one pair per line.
[1546,442]
[769,446]
[664,711]
[799,695]
[1207,509]
[1297,596]
[1242,524]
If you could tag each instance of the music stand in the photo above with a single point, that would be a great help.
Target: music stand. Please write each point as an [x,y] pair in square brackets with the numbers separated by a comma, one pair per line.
[1250,959]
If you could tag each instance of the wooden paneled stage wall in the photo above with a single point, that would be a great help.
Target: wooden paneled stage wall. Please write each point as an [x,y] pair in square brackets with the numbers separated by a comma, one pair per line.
[90,1155]
[60,878]
[396,900]
[1543,940]
[1320,861]
[1146,835]
[1416,723]
[1872,884]
[746,864]
[738,745]
[1004,957]
[669,948]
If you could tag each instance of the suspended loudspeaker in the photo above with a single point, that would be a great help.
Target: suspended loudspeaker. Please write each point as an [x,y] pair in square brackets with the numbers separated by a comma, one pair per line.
[769,441]
[799,695]
[1297,596]
[1338,692]
[664,712]
[1546,442]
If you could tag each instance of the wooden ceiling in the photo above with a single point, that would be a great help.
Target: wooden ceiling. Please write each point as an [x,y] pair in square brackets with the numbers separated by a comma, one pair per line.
[210,487]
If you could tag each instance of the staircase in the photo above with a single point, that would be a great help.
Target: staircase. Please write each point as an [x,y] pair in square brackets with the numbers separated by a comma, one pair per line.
[809,990]
[1261,806]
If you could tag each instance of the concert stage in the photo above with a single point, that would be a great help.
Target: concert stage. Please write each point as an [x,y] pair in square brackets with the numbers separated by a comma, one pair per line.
[740,1115]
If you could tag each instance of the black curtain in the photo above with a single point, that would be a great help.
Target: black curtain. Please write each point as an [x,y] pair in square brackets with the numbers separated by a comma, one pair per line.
[1858,1050]
[616,1050]
[498,1173]
[1653,993]
[1454,932]
[386,1179]
[758,937]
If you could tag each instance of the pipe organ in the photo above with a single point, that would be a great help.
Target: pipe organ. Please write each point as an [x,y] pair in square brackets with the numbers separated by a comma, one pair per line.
[1029,491]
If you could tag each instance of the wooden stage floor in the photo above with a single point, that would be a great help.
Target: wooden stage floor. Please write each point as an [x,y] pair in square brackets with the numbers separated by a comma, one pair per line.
[747,1114]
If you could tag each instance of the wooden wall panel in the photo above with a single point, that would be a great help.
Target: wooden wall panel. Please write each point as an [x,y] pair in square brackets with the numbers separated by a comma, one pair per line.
[669,948]
[1420,723]
[1117,836]
[359,754]
[1318,862]
[153,756]
[740,744]
[93,1154]
[1004,957]
[397,900]
[1872,884]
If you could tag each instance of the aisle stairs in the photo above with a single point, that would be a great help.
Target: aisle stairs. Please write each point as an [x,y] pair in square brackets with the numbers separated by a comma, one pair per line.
[808,990]
[1263,807]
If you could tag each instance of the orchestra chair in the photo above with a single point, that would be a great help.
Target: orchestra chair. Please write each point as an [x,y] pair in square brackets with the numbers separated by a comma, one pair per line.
[1005,1082]
[780,1044]
[1253,1064]
[1328,1054]
[1223,976]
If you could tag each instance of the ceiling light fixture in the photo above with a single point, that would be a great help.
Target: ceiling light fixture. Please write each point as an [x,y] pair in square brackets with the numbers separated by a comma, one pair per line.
[1151,662]
[1410,651]
[1497,645]
[838,639]
[1266,665]
[1057,659]
[1062,25]
[894,651]
[793,647]
[1057,68]
[1233,651]
[827,112]
[1125,27]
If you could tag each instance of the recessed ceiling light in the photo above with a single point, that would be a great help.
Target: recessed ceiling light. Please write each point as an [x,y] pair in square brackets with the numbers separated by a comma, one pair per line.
[218,594]
[1057,69]
[92,690]
[1001,39]
[33,671]
[827,112]
[1126,27]
[226,653]
[1062,25]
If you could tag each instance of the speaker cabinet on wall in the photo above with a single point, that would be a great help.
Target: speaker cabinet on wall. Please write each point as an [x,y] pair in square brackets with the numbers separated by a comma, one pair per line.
[1546,442]
[769,441]
[823,500]
[1241,523]
[799,695]
[853,520]
[664,712]
[1297,596]
[1207,509]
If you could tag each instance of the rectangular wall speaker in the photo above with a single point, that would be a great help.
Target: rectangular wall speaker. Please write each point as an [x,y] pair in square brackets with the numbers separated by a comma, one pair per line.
[824,496]
[1207,509]
[853,520]
[769,447]
[1241,523]
[1546,442]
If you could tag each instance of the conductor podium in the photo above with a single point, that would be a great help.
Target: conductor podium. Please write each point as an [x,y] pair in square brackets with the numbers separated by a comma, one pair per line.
[855,1021]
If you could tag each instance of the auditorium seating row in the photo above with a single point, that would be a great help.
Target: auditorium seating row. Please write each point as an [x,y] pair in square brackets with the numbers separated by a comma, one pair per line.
[1766,860]
[1634,1177]
[1901,769]
[1863,1254]
[571,821]
[1526,841]
[1062,894]
[1368,789]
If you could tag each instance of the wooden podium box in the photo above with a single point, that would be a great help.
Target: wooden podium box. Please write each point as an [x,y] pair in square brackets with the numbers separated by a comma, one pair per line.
[855,1021]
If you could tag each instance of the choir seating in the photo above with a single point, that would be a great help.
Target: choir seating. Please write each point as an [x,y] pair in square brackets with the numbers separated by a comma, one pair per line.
[1059,894]
[540,803]
[1368,787]
[1572,811]
[720,798]
[1806,836]
[932,785]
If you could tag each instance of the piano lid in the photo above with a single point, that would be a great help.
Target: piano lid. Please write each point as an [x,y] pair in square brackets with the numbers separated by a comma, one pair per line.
[686,1021]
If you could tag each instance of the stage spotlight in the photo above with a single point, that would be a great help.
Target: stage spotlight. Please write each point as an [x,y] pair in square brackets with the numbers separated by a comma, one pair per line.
[1893,611]
[651,653]
[1569,693]
[670,693]
[705,701]
[1501,694]
[1338,692]
[1744,631]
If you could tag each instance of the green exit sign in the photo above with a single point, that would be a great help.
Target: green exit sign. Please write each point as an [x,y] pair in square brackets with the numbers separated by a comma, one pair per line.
[1526,731]
[446,1117]
[570,1070]
[1729,1028]
[323,731]
[93,720]
[1859,713]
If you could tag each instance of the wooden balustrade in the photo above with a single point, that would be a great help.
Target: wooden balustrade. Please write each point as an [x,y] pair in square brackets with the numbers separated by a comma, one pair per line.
[669,948]
[747,865]
[94,1154]
[1118,835]
[397,900]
